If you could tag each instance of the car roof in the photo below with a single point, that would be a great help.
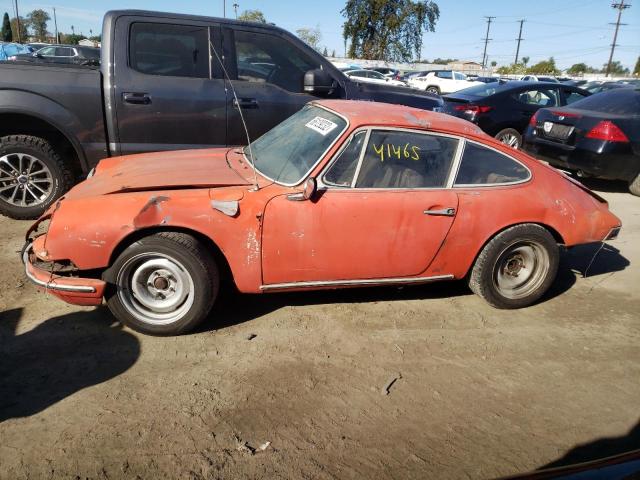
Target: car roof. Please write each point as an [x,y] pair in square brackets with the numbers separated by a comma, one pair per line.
[360,113]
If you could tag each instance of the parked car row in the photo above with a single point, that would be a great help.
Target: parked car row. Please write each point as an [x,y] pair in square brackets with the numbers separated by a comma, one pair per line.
[48,53]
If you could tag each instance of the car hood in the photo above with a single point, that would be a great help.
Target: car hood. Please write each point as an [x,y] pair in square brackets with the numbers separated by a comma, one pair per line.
[160,171]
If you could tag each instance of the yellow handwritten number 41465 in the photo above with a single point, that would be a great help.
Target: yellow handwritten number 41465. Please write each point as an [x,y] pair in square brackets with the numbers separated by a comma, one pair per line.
[409,151]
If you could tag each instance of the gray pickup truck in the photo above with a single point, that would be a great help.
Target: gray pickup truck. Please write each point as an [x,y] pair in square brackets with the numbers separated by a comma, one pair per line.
[161,86]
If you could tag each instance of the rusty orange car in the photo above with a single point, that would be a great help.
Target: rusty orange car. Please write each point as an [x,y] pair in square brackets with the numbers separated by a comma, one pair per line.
[341,194]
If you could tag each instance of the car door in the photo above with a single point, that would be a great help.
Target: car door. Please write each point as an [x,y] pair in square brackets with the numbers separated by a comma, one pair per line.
[166,94]
[382,213]
[267,73]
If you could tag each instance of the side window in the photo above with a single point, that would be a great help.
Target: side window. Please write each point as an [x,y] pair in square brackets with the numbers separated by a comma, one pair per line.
[169,50]
[64,52]
[483,166]
[264,58]
[47,52]
[571,96]
[460,76]
[447,75]
[395,159]
[540,98]
[341,173]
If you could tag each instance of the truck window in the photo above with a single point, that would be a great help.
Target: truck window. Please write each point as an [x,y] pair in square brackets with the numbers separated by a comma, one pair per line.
[264,58]
[169,50]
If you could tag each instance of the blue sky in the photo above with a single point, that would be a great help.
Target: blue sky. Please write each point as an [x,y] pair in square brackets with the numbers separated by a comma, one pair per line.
[570,30]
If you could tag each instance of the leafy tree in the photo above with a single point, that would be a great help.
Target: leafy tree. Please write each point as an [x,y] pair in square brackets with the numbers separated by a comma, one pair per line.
[252,16]
[325,52]
[636,69]
[311,36]
[23,33]
[525,60]
[38,23]
[71,38]
[388,29]
[443,61]
[333,54]
[494,63]
[544,67]
[513,69]
[6,34]
[616,68]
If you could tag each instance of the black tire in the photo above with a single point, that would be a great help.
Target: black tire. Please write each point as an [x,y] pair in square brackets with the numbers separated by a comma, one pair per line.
[525,253]
[174,272]
[433,89]
[511,137]
[12,149]
[634,186]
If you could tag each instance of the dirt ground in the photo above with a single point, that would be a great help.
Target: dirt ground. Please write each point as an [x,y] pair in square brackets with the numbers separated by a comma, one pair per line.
[479,392]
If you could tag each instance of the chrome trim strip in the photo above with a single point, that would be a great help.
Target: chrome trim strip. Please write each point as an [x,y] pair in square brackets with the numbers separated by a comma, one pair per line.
[361,158]
[368,281]
[49,285]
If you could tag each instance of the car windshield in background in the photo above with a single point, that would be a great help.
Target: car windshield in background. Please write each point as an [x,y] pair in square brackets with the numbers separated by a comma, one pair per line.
[289,151]
[485,89]
[620,101]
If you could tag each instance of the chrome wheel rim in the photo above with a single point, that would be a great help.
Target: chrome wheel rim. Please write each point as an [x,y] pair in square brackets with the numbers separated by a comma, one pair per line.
[521,268]
[510,139]
[155,288]
[25,181]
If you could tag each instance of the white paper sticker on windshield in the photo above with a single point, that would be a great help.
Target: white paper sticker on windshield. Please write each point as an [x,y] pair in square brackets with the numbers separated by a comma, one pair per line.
[321,125]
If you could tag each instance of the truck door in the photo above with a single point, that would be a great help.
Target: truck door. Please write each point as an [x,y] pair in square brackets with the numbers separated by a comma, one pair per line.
[166,93]
[267,72]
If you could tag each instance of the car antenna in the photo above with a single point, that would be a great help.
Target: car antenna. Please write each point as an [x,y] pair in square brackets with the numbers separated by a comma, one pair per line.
[244,124]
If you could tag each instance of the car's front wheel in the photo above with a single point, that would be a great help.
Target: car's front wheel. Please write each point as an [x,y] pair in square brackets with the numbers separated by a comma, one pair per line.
[511,137]
[433,89]
[516,267]
[163,284]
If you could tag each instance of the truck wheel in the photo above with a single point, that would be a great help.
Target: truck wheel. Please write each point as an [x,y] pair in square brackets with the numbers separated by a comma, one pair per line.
[516,267]
[634,186]
[511,137]
[32,176]
[163,284]
[433,89]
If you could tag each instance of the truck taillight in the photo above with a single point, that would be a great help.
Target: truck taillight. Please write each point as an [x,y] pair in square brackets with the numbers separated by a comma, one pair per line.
[608,131]
[471,108]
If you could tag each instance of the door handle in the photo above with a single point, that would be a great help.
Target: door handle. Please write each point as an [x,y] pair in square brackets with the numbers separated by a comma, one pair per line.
[137,98]
[445,212]
[245,103]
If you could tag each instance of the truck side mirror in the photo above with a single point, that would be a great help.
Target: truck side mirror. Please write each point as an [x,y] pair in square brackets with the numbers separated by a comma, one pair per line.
[318,82]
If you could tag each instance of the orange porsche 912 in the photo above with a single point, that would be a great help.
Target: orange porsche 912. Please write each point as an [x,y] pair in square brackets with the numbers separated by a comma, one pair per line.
[343,194]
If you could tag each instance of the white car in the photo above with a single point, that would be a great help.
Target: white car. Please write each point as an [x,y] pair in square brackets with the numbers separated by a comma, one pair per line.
[371,76]
[441,81]
[534,78]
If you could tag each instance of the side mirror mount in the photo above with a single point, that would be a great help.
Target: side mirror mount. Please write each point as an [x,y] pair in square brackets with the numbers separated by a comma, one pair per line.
[318,82]
[310,188]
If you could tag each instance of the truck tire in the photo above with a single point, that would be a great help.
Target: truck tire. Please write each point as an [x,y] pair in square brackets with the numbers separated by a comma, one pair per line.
[516,267]
[433,89]
[32,176]
[163,284]
[634,186]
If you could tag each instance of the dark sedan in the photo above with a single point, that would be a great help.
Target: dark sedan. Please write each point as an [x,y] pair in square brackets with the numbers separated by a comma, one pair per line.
[598,136]
[503,109]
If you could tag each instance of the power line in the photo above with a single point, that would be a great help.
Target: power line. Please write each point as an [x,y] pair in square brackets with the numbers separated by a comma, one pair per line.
[486,40]
[519,40]
[620,7]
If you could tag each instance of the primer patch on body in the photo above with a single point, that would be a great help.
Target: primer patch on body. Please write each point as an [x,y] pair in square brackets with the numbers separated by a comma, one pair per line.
[321,125]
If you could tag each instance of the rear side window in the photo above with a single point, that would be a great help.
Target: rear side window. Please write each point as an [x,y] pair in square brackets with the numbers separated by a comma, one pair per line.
[264,58]
[623,101]
[448,75]
[483,166]
[341,173]
[395,159]
[64,52]
[169,50]
[573,96]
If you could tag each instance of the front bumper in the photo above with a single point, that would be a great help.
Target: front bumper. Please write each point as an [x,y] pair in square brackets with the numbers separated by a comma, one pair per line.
[74,290]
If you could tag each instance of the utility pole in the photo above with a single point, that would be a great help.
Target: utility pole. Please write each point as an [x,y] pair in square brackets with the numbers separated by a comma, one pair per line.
[620,7]
[55,22]
[519,40]
[486,40]
[18,22]
[224,8]
[235,7]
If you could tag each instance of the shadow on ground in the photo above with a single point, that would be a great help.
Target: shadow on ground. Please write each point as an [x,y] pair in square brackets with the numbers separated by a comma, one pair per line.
[601,185]
[58,358]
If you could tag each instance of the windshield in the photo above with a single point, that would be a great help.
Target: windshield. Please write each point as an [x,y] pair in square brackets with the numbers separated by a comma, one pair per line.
[288,152]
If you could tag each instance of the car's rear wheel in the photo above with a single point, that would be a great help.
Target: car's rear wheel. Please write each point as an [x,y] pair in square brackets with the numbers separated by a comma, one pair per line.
[516,267]
[32,176]
[163,284]
[433,89]
[634,186]
[511,137]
